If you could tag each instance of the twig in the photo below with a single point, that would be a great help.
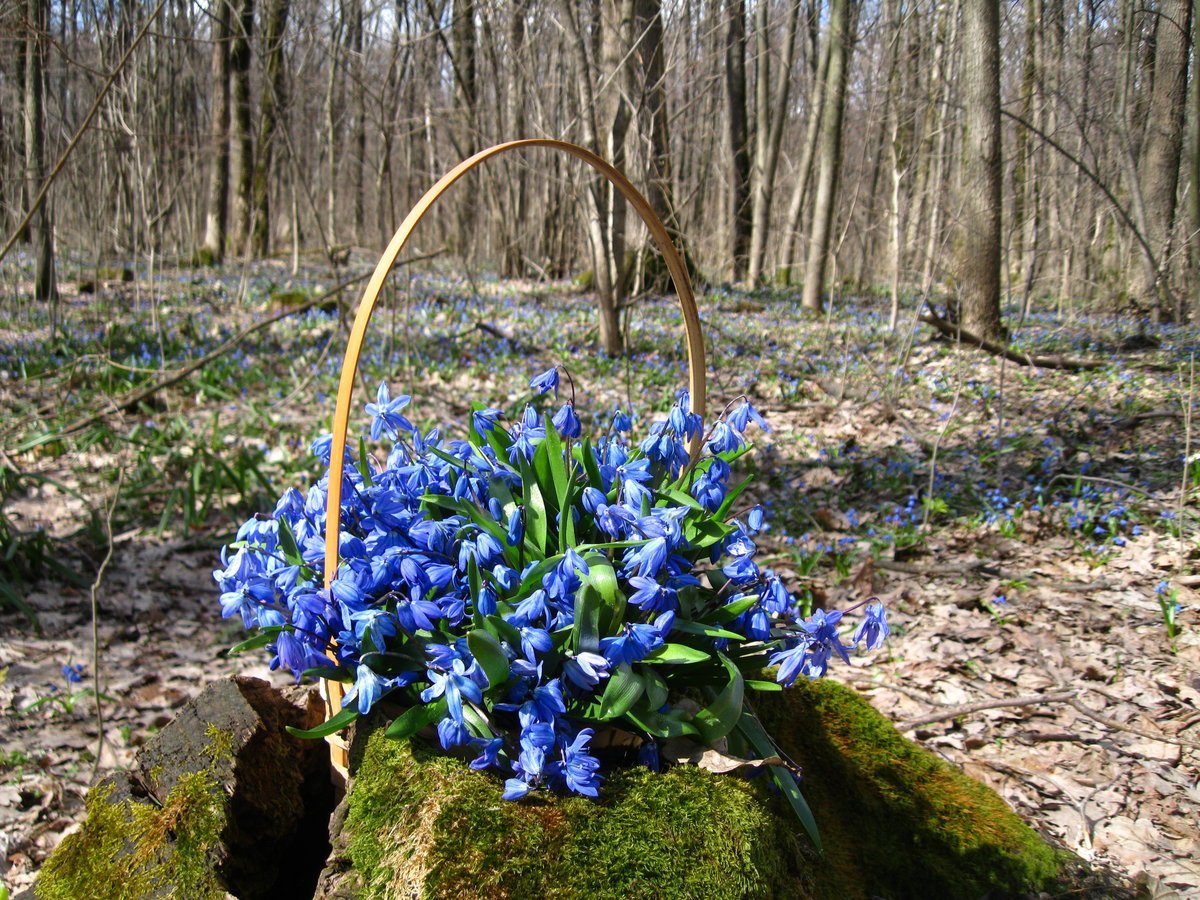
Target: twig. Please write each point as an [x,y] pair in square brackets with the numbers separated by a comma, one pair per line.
[983,568]
[87,121]
[966,708]
[1121,726]
[108,554]
[1017,356]
[133,398]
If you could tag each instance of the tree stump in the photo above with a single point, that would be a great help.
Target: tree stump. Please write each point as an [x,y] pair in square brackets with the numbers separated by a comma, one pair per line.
[222,800]
[896,821]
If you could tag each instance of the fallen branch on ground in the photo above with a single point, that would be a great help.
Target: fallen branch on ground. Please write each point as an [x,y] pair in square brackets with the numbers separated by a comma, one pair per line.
[133,398]
[978,706]
[958,333]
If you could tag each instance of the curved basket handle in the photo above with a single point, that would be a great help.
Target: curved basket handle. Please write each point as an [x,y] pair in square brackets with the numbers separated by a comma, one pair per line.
[341,415]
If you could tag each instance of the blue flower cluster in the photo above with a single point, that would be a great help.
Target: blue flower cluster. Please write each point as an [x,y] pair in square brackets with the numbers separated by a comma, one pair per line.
[525,587]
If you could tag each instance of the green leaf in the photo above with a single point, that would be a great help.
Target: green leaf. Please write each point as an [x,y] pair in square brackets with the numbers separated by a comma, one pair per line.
[261,639]
[731,611]
[602,577]
[767,686]
[722,715]
[752,730]
[504,631]
[583,453]
[287,541]
[336,723]
[537,525]
[656,689]
[490,655]
[330,673]
[554,459]
[658,725]
[364,467]
[622,691]
[787,785]
[415,718]
[677,654]
[585,632]
[711,631]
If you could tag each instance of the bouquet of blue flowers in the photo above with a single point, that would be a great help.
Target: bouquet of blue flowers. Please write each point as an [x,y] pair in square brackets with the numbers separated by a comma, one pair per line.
[531,586]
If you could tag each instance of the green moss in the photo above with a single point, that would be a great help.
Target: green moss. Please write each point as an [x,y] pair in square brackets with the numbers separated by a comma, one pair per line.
[896,820]
[425,825]
[138,850]
[220,744]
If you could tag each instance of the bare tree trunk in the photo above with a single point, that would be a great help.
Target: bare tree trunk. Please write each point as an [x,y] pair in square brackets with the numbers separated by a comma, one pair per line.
[739,149]
[1194,171]
[1158,169]
[242,156]
[769,138]
[45,288]
[605,119]
[518,182]
[812,130]
[979,238]
[831,146]
[331,119]
[274,100]
[466,99]
[217,216]
[357,72]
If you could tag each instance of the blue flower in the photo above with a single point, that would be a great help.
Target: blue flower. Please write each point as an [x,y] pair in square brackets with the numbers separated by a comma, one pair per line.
[567,423]
[585,670]
[485,420]
[547,381]
[385,414]
[873,629]
[369,686]
[454,685]
[579,768]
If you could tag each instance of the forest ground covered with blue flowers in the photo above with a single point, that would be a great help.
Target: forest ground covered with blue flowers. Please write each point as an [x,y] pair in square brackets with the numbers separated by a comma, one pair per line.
[1032,531]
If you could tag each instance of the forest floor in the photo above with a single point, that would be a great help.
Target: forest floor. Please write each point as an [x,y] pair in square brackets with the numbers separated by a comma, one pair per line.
[1032,531]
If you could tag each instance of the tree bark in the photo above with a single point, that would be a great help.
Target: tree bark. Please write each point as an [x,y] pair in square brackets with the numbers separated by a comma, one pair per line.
[831,145]
[769,139]
[1158,169]
[242,144]
[274,100]
[217,216]
[45,288]
[466,100]
[812,129]
[979,232]
[739,149]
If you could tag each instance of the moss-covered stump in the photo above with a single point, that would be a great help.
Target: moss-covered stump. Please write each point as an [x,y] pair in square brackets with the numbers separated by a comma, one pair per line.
[223,799]
[896,822]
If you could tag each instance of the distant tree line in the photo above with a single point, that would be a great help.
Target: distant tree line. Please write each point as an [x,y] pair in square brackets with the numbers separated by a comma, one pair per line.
[964,148]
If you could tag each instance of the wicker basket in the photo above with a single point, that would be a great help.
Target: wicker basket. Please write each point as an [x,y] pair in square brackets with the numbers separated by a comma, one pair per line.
[691,321]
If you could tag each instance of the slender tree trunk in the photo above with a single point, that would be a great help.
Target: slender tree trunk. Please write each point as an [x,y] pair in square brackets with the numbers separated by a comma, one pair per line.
[831,147]
[513,264]
[45,288]
[217,216]
[769,139]
[739,149]
[466,99]
[979,232]
[242,156]
[801,189]
[1158,169]
[1194,170]
[357,71]
[274,101]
